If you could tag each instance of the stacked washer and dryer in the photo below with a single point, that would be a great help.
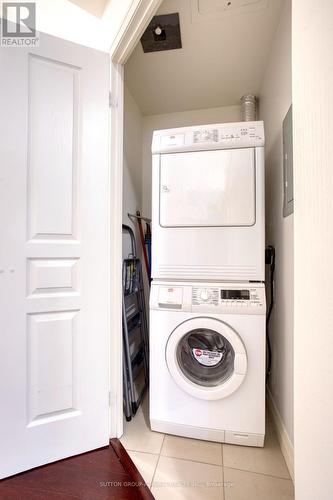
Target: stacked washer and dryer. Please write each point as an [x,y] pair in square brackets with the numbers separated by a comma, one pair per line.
[207,303]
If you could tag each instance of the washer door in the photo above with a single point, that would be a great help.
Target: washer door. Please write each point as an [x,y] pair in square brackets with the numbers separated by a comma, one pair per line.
[206,358]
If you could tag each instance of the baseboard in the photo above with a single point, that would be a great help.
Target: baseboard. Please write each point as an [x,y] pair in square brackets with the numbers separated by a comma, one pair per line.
[208,434]
[286,445]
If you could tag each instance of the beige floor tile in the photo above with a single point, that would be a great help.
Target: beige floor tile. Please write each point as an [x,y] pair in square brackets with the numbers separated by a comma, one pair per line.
[251,486]
[145,463]
[192,449]
[138,436]
[267,460]
[184,480]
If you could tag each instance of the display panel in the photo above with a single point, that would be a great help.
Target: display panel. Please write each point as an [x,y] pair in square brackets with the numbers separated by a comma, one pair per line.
[235,294]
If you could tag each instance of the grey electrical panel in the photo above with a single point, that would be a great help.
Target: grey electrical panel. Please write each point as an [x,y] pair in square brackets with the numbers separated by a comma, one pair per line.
[288,174]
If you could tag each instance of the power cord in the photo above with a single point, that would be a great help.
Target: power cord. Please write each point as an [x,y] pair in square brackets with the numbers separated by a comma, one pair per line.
[270,261]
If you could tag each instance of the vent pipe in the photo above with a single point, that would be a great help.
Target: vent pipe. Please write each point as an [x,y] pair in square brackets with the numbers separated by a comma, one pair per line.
[249,108]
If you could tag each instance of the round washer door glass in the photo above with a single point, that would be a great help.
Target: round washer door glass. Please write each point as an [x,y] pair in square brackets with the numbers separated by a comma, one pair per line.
[206,358]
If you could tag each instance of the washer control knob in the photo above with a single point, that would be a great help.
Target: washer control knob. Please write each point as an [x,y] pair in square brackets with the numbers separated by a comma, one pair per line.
[204,294]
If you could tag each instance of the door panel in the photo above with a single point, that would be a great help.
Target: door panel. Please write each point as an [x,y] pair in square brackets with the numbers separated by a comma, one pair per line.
[52,364]
[54,257]
[208,188]
[52,276]
[53,128]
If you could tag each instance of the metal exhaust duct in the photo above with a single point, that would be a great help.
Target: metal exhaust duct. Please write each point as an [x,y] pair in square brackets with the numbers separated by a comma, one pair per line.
[249,108]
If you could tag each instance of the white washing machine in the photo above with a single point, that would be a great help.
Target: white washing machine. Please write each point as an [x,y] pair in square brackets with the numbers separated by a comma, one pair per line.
[207,361]
[208,203]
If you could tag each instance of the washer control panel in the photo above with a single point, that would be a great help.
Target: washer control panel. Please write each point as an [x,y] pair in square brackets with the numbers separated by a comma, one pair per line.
[228,297]
[243,297]
[207,298]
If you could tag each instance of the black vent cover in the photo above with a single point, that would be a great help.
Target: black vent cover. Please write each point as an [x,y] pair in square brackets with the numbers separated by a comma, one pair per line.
[163,33]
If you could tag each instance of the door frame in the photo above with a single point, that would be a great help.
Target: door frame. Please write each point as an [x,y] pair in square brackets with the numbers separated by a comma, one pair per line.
[132,27]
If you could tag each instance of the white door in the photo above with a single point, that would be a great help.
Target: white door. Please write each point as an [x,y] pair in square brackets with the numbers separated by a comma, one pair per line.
[208,188]
[206,358]
[53,253]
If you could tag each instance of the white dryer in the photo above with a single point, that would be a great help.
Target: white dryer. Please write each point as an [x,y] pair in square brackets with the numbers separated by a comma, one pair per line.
[208,203]
[207,361]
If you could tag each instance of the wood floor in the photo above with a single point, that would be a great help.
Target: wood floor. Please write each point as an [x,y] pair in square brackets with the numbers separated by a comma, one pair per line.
[107,473]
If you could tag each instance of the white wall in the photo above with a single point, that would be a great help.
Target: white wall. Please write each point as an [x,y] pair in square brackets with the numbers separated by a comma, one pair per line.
[275,99]
[132,180]
[66,20]
[313,167]
[170,120]
[132,155]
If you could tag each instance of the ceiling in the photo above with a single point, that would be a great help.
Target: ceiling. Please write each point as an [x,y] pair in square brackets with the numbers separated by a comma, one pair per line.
[224,55]
[95,7]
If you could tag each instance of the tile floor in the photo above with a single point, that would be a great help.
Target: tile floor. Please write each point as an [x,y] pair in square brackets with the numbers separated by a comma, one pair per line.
[189,469]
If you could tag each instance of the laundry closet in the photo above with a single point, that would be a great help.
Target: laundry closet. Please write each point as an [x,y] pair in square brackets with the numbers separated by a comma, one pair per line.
[190,75]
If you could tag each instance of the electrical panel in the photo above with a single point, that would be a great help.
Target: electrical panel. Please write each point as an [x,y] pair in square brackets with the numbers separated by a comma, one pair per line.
[288,173]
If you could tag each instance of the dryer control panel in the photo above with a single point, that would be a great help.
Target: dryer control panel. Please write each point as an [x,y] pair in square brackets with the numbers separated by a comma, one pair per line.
[210,298]
[207,137]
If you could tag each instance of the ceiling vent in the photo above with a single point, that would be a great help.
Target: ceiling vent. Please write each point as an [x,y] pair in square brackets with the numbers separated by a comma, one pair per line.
[163,33]
[202,9]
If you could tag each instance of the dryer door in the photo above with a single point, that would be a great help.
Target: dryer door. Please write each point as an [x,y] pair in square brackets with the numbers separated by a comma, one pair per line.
[206,358]
[208,188]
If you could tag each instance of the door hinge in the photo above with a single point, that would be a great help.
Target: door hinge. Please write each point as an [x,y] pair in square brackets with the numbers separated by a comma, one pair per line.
[113,103]
[111,398]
